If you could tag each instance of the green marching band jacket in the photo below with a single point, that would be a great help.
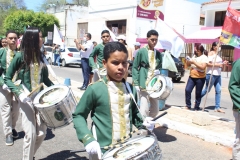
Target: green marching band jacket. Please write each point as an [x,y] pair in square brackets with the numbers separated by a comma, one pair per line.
[141,65]
[24,74]
[96,99]
[97,51]
[234,85]
[3,63]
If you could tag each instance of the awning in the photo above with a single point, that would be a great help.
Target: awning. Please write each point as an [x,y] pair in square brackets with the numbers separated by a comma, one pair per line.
[204,36]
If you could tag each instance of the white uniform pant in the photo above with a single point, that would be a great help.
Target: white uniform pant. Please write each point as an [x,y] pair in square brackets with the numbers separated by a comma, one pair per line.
[148,105]
[34,128]
[9,111]
[236,145]
[95,77]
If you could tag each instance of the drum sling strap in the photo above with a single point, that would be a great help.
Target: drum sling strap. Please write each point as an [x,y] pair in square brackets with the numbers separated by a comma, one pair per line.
[131,94]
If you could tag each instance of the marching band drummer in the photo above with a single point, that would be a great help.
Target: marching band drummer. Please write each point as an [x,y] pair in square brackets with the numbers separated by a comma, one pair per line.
[33,71]
[146,65]
[98,51]
[9,107]
[113,111]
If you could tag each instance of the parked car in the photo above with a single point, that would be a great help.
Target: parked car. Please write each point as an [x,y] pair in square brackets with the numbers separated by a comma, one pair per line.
[49,55]
[176,76]
[70,55]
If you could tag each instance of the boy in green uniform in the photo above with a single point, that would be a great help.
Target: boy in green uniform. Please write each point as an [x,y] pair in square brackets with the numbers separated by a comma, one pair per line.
[112,109]
[234,89]
[32,72]
[98,52]
[9,107]
[145,66]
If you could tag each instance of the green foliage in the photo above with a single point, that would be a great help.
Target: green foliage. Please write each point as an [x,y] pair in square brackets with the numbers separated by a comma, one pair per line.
[80,2]
[19,19]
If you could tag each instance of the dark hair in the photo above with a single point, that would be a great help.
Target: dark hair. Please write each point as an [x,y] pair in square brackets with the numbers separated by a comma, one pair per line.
[30,45]
[11,31]
[111,47]
[213,45]
[205,52]
[89,35]
[152,32]
[200,48]
[105,31]
[94,42]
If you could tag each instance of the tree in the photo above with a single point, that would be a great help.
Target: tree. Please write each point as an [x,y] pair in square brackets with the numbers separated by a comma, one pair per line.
[81,2]
[51,3]
[7,4]
[19,19]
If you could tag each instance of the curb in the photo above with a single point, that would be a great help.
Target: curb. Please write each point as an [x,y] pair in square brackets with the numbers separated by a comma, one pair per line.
[218,135]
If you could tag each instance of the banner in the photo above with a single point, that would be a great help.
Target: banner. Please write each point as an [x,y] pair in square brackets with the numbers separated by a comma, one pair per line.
[169,39]
[231,28]
[57,37]
[150,9]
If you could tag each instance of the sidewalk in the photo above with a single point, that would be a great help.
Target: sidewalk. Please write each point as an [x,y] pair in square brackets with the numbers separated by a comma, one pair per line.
[219,131]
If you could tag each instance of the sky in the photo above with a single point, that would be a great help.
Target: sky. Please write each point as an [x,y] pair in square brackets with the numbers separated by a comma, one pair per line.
[34,4]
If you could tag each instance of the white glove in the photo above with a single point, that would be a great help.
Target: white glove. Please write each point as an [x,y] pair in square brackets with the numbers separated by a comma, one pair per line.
[137,88]
[149,124]
[156,72]
[24,98]
[5,87]
[94,148]
[95,70]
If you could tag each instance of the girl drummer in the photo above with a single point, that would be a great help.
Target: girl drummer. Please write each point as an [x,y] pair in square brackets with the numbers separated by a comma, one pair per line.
[31,71]
[112,110]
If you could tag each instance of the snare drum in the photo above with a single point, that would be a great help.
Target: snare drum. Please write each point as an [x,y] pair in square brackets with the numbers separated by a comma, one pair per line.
[159,87]
[142,148]
[56,105]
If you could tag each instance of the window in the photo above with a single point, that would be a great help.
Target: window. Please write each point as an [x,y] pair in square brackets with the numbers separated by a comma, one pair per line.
[117,27]
[73,50]
[219,18]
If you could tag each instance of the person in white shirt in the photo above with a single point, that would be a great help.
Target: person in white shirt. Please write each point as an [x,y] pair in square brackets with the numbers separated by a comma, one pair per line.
[137,46]
[85,50]
[216,76]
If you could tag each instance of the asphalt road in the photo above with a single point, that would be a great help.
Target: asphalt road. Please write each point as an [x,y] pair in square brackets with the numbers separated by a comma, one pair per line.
[177,98]
[59,142]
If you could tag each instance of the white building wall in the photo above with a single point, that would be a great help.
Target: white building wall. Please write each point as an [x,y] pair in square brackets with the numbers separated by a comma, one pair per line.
[67,16]
[209,18]
[210,9]
[182,15]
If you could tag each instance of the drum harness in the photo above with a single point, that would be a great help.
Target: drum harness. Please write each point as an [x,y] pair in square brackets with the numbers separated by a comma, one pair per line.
[122,141]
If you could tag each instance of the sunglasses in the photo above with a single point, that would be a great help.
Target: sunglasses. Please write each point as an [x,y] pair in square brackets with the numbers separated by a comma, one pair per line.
[105,36]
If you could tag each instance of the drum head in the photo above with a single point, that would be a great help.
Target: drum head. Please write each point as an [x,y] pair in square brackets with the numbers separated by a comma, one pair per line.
[133,148]
[156,86]
[50,96]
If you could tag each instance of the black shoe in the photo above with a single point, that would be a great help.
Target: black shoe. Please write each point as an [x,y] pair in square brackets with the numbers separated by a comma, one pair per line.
[80,87]
[14,133]
[197,109]
[83,88]
[9,140]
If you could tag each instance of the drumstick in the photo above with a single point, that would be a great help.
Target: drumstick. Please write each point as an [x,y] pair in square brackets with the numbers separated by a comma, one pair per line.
[122,139]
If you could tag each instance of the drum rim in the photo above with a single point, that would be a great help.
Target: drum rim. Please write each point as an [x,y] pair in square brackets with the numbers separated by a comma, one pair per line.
[139,137]
[36,99]
[163,87]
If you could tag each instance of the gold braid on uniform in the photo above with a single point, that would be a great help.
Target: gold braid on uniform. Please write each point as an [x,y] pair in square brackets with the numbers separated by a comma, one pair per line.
[121,141]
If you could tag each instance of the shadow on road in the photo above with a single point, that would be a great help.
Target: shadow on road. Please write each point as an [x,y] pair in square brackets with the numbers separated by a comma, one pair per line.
[49,135]
[64,155]
[162,136]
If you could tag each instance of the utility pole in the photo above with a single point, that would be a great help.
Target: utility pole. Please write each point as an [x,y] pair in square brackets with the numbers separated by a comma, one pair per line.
[65,25]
